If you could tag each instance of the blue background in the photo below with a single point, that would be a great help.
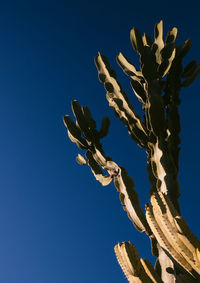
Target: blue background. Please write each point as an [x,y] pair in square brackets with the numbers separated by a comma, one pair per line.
[57,224]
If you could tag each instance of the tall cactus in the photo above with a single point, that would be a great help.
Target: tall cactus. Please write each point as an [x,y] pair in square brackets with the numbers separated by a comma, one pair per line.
[157,86]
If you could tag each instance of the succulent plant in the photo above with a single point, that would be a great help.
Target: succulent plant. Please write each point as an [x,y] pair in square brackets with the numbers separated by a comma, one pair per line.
[157,86]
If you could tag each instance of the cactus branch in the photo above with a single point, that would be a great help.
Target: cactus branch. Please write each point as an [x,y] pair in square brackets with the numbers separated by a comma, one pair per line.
[99,163]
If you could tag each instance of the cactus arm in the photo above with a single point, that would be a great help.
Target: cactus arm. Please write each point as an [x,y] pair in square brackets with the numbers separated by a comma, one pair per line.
[168,53]
[191,71]
[155,109]
[74,133]
[104,127]
[172,102]
[163,242]
[139,91]
[147,40]
[170,232]
[164,170]
[128,259]
[119,101]
[158,35]
[135,269]
[130,201]
[128,68]
[181,244]
[80,160]
[99,163]
[97,171]
[136,40]
[150,271]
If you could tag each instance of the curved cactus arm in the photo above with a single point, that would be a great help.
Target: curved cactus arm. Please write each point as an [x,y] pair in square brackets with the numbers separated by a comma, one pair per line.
[97,171]
[173,237]
[119,101]
[135,269]
[98,163]
[163,242]
[95,168]
[125,186]
[168,228]
[130,201]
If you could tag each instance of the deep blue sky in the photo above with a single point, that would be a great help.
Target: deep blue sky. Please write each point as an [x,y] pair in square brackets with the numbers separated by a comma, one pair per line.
[57,224]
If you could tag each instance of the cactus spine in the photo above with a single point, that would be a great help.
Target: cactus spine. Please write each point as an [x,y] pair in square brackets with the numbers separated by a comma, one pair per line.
[157,86]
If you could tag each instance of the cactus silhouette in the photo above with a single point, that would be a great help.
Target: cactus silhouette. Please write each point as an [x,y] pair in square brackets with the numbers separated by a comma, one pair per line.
[157,86]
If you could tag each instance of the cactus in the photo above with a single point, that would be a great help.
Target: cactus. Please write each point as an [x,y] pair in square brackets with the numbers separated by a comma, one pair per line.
[157,86]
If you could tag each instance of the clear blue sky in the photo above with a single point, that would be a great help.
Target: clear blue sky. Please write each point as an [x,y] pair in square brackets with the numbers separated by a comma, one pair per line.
[57,224]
